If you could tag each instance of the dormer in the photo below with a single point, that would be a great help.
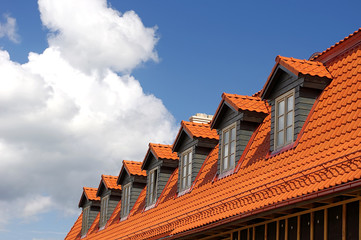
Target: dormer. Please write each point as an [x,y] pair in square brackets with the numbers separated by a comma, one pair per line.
[110,194]
[90,204]
[159,162]
[235,120]
[192,144]
[291,89]
[133,180]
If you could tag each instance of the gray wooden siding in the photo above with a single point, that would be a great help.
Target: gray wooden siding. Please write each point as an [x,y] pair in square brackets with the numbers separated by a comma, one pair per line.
[304,100]
[93,212]
[244,131]
[163,177]
[113,202]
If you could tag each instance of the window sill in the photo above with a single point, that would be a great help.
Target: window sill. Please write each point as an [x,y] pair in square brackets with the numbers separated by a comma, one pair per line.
[149,207]
[185,191]
[226,173]
[123,218]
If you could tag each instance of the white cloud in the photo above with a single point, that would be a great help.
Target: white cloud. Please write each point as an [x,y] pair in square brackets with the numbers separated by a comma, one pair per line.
[8,29]
[91,36]
[66,116]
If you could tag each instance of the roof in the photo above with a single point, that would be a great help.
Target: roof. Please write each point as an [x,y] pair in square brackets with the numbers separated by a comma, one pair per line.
[90,194]
[163,151]
[194,130]
[298,67]
[352,38]
[241,103]
[75,231]
[111,182]
[325,159]
[134,168]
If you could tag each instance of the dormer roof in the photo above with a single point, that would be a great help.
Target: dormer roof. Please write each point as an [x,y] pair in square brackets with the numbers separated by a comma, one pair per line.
[89,194]
[132,168]
[194,130]
[108,182]
[160,152]
[297,67]
[240,103]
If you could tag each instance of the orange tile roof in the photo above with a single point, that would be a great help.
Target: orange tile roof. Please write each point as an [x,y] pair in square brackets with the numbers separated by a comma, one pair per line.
[75,231]
[246,103]
[163,151]
[325,158]
[111,182]
[342,42]
[305,67]
[91,193]
[199,130]
[134,168]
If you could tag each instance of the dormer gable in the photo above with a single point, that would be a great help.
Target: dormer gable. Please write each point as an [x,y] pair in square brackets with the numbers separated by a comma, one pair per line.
[110,194]
[159,163]
[291,89]
[192,144]
[133,180]
[235,120]
[90,204]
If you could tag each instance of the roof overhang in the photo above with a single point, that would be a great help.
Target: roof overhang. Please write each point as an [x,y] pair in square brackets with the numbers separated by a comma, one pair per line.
[122,174]
[102,187]
[182,133]
[219,112]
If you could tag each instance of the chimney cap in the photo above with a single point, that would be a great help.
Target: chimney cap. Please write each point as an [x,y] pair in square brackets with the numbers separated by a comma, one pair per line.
[201,118]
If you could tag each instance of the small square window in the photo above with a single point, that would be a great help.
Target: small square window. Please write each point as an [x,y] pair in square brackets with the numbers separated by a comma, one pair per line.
[126,200]
[186,170]
[152,187]
[284,119]
[228,156]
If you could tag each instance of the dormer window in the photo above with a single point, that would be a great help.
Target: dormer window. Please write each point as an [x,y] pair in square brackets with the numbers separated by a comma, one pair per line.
[126,200]
[186,170]
[228,148]
[104,210]
[284,119]
[84,227]
[152,187]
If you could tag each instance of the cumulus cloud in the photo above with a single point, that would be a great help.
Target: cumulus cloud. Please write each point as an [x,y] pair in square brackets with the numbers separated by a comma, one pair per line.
[74,111]
[8,29]
[96,36]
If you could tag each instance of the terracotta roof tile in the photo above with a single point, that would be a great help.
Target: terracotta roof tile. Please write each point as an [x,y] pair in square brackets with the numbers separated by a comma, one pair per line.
[111,182]
[200,130]
[75,231]
[163,151]
[134,168]
[91,193]
[246,103]
[304,67]
[326,156]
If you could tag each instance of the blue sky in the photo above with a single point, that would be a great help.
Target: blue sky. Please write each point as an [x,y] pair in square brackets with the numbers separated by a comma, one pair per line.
[204,48]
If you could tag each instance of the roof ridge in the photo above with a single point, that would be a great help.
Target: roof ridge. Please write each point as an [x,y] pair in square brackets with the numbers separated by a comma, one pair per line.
[336,44]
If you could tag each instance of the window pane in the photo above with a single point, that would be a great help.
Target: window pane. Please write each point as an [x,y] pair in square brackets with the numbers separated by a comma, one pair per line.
[225,163]
[188,181]
[184,171]
[281,123]
[226,137]
[289,134]
[232,160]
[225,150]
[281,107]
[183,182]
[233,149]
[233,134]
[289,103]
[280,138]
[289,119]
[189,167]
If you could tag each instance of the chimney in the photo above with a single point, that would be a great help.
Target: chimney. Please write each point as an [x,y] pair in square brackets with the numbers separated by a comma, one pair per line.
[201,118]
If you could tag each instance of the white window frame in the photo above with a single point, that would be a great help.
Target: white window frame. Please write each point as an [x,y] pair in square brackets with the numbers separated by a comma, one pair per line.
[104,204]
[284,114]
[126,190]
[186,169]
[152,186]
[84,227]
[227,163]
